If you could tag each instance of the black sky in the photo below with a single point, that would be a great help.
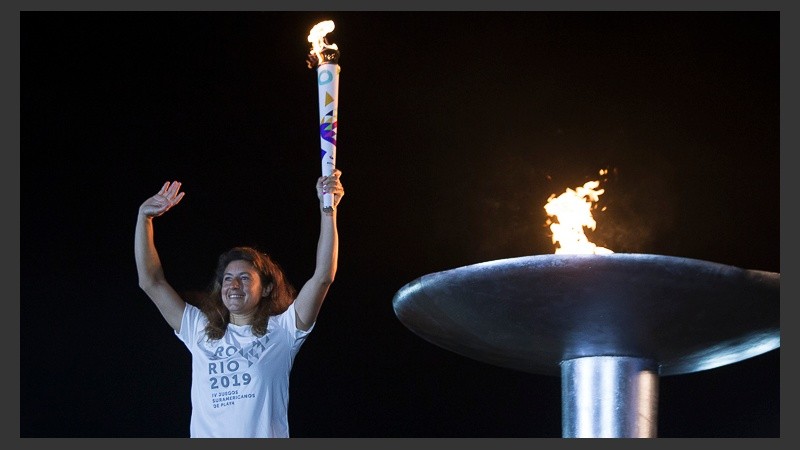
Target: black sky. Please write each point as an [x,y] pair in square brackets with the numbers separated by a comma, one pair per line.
[454,129]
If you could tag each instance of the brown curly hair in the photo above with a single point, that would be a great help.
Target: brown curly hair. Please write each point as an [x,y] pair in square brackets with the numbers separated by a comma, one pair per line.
[277,301]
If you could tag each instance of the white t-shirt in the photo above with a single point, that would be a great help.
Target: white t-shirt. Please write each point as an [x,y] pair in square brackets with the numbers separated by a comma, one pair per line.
[240,383]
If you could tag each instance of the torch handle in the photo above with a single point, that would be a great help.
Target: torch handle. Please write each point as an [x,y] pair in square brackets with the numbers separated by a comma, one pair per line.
[328,89]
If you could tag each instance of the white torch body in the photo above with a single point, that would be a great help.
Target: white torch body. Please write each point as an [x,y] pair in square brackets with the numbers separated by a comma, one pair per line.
[328,88]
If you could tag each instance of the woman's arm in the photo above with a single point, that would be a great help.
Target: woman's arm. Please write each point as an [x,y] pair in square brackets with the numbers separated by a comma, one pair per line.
[148,263]
[312,294]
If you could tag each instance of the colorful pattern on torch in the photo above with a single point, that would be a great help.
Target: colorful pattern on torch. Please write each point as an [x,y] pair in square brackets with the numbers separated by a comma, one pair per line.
[327,129]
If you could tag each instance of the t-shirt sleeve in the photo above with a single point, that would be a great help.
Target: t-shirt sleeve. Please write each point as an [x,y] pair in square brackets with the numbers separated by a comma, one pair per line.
[189,323]
[288,321]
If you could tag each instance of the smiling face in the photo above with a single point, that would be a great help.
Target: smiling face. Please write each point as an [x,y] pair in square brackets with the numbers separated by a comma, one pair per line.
[241,288]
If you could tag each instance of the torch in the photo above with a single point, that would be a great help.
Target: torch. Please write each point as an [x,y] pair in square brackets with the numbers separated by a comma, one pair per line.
[326,59]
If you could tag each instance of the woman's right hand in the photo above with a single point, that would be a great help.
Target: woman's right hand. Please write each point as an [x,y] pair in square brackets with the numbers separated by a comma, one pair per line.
[169,196]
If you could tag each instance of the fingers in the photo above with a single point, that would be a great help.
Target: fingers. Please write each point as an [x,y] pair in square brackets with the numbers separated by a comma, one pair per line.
[334,175]
[173,189]
[330,184]
[178,198]
[171,192]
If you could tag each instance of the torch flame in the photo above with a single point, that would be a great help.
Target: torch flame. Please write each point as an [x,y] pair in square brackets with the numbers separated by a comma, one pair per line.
[319,44]
[573,209]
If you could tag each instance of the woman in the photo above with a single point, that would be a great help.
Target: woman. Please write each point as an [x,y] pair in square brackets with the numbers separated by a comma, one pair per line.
[245,333]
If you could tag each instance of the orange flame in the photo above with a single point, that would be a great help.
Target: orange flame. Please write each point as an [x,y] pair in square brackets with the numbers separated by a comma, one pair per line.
[573,209]
[317,38]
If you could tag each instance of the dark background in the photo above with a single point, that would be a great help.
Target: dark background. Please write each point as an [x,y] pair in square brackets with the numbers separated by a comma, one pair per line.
[454,129]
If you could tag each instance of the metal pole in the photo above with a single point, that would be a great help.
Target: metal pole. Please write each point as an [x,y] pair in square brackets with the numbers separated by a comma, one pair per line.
[609,397]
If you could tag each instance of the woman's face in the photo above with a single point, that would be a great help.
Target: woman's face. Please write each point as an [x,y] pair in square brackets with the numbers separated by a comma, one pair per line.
[241,287]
